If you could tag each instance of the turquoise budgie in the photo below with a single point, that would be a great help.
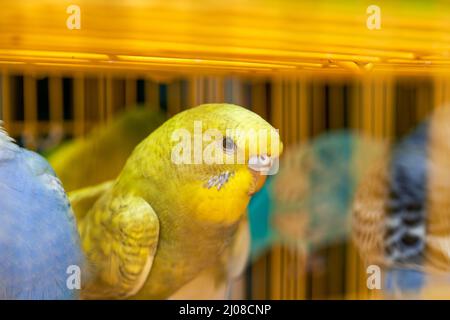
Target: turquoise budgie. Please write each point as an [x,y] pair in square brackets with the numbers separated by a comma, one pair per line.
[308,203]
[39,243]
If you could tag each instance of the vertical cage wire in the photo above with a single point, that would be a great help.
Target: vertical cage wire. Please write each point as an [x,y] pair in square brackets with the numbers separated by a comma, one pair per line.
[301,107]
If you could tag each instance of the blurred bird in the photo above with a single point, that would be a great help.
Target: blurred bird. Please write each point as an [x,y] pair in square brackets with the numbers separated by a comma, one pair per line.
[308,203]
[401,217]
[163,224]
[38,236]
[101,155]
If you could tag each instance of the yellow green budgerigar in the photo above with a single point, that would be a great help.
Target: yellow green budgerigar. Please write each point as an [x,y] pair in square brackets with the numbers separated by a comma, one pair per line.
[164,225]
[101,155]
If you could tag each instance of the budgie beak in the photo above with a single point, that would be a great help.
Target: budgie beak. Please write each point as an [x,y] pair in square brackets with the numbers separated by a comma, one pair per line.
[259,181]
[264,164]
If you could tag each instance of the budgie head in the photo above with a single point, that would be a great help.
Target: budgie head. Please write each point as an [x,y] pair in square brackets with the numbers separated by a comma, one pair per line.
[215,156]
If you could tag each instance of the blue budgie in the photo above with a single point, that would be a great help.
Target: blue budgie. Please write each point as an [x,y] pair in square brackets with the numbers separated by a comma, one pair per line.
[401,217]
[39,243]
[308,203]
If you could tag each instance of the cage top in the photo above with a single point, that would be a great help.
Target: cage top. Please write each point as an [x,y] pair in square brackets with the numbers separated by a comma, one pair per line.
[235,36]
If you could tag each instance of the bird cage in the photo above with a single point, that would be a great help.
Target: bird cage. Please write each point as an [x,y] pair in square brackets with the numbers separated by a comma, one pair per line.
[306,67]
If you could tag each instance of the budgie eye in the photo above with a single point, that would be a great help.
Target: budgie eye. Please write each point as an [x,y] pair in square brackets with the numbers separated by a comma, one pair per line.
[228,145]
